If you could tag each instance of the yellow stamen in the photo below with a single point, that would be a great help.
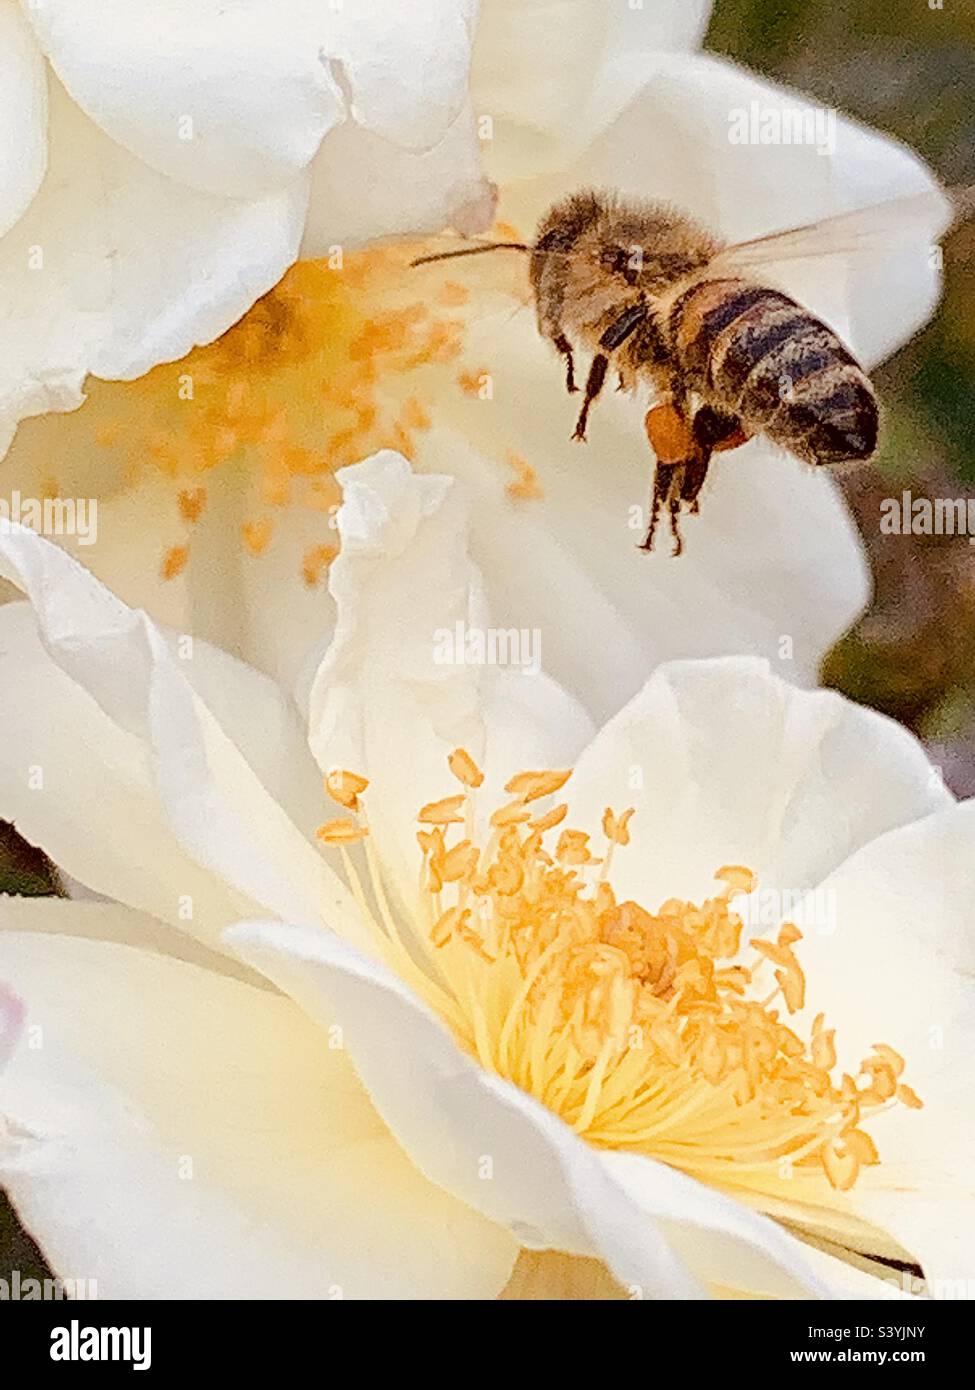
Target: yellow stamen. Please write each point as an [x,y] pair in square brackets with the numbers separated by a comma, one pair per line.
[448,811]
[615,827]
[532,785]
[340,832]
[644,1030]
[345,787]
[464,768]
[548,822]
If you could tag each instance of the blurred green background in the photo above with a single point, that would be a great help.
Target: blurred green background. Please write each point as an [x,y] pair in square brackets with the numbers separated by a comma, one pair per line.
[907,66]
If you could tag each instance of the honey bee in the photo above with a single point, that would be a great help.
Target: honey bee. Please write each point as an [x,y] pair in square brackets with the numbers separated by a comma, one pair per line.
[655,297]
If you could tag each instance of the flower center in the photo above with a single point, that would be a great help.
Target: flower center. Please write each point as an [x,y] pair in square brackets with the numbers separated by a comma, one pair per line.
[344,357]
[649,1031]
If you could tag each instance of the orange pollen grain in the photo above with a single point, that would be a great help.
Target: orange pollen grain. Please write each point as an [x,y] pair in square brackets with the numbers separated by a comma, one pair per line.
[174,561]
[256,535]
[191,503]
[525,486]
[315,562]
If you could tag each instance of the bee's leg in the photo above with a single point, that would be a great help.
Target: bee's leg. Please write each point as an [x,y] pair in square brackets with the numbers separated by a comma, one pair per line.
[615,335]
[594,384]
[674,502]
[565,347]
[694,474]
[663,481]
[680,462]
[714,430]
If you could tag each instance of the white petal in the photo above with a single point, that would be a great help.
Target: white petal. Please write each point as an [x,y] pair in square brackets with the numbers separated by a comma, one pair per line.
[772,555]
[182,1135]
[540,68]
[549,1188]
[11,1022]
[727,1251]
[727,764]
[23,123]
[95,918]
[81,788]
[211,798]
[262,82]
[898,969]
[364,187]
[397,692]
[261,721]
[115,268]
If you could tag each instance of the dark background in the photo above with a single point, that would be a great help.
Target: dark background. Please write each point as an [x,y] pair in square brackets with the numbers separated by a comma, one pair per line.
[908,67]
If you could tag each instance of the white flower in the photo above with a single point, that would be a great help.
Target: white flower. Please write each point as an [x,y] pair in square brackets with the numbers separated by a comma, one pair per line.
[425,1122]
[215,476]
[162,166]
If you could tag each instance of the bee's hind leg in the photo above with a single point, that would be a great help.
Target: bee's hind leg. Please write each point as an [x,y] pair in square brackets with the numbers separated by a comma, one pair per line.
[712,431]
[680,467]
[664,491]
[674,503]
[693,480]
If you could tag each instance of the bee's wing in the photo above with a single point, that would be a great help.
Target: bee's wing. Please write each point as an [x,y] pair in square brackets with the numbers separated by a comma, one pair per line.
[880,227]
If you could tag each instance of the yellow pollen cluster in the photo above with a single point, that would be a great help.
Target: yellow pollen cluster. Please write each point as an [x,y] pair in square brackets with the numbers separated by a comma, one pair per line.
[646,1031]
[344,357]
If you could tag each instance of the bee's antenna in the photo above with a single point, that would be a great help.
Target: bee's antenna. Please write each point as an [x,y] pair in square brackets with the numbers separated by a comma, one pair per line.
[473,251]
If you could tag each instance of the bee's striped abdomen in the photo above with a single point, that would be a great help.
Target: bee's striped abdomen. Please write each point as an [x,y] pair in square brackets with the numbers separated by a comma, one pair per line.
[756,354]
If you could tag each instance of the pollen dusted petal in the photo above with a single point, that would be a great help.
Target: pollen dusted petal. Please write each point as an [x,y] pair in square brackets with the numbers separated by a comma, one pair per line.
[191,503]
[525,486]
[329,367]
[174,561]
[315,561]
[256,535]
